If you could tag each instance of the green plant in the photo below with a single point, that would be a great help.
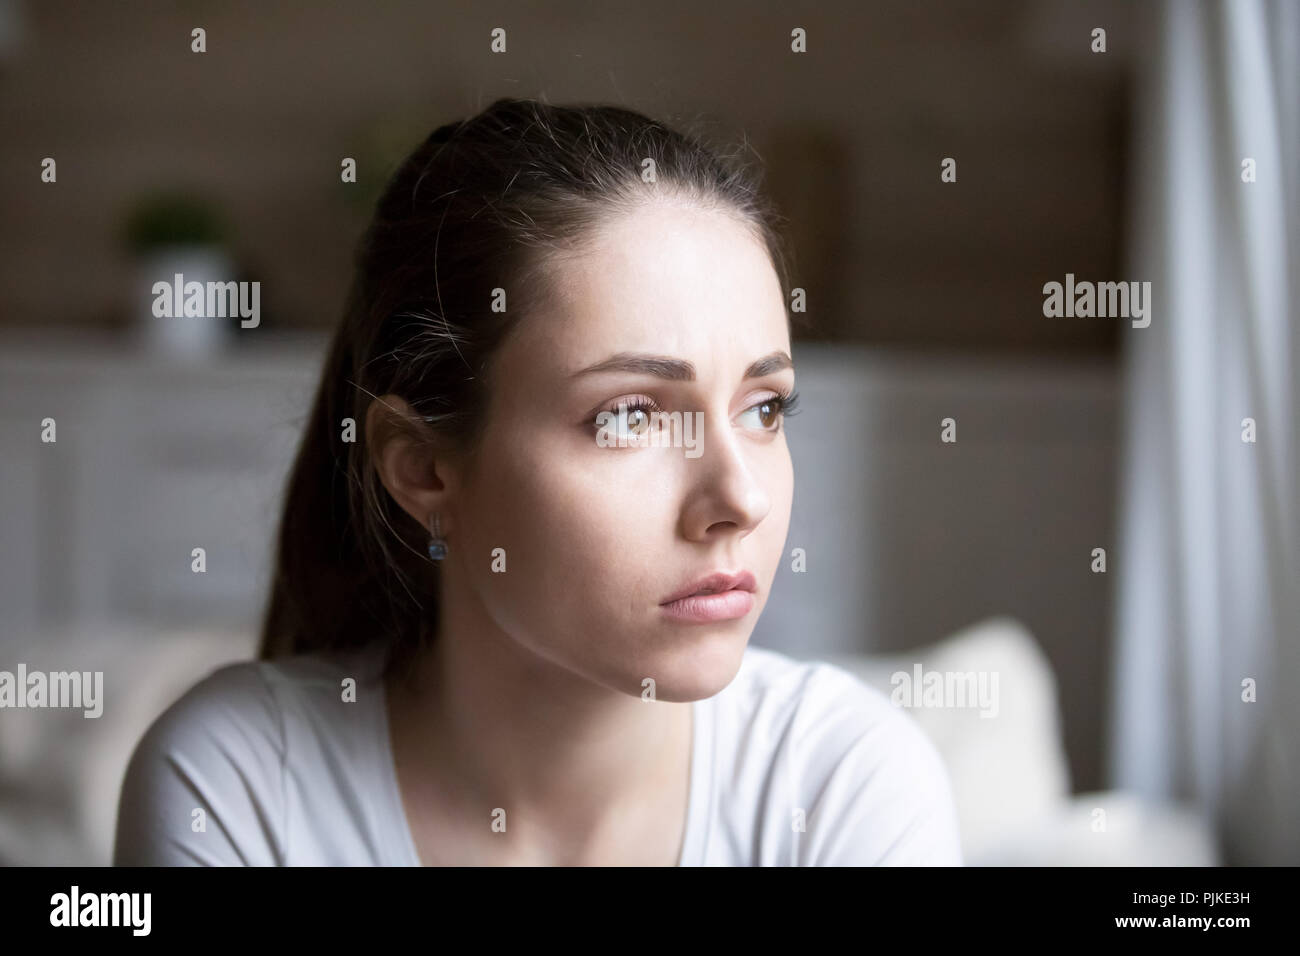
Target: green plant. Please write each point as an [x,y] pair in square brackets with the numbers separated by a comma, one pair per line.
[167,219]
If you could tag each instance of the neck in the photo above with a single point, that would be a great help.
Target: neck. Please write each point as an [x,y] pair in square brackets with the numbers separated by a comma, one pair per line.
[499,725]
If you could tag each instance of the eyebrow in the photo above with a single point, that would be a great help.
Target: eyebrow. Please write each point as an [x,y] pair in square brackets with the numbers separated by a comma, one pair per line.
[678,370]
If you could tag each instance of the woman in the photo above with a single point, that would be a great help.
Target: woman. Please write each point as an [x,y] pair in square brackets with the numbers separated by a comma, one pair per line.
[537,511]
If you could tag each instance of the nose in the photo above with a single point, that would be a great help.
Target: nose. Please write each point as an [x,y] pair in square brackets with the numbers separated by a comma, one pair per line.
[726,495]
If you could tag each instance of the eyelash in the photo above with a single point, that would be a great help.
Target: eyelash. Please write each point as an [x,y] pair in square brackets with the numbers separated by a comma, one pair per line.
[786,402]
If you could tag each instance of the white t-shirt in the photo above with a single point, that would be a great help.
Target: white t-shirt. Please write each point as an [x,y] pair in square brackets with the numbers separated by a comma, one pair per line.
[794,764]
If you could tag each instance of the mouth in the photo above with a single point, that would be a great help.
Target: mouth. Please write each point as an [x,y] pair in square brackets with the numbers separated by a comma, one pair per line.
[719,596]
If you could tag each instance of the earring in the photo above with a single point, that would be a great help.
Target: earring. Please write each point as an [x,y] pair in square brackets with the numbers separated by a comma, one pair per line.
[437,544]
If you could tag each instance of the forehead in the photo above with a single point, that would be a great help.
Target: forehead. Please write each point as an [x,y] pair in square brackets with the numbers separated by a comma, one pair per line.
[668,277]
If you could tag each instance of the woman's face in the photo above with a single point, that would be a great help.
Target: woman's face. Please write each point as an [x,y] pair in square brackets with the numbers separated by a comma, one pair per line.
[596,533]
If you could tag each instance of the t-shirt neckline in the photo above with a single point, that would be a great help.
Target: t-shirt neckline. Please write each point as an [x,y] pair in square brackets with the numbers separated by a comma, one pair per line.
[693,838]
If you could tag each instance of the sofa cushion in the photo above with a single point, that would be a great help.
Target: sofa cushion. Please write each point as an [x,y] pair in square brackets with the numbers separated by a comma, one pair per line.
[1006,761]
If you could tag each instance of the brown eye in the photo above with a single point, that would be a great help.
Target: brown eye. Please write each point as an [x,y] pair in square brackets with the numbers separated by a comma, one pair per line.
[629,419]
[771,412]
[768,412]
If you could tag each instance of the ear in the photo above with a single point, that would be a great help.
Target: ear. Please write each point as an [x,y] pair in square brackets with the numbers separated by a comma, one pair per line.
[410,462]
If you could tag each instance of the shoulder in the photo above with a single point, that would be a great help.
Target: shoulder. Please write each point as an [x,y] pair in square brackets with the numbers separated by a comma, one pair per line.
[206,782]
[862,777]
[823,708]
[254,698]
[235,702]
[206,766]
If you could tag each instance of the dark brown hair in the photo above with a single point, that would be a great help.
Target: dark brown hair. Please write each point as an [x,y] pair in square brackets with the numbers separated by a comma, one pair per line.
[479,205]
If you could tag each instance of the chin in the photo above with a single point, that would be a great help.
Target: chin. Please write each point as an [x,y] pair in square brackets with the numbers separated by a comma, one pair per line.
[703,660]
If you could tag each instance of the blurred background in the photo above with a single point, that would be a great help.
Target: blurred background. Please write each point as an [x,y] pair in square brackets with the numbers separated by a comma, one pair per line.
[1107,533]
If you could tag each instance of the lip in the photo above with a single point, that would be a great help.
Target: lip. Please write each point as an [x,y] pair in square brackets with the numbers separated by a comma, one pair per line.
[715,581]
[731,595]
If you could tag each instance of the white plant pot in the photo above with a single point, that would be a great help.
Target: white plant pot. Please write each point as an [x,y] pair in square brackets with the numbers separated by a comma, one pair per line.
[181,336]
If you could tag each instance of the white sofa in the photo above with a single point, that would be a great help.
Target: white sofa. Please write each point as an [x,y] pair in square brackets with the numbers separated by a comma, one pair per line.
[1009,772]
[60,772]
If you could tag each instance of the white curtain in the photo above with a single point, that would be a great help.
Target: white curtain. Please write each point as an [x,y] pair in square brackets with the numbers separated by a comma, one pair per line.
[1208,556]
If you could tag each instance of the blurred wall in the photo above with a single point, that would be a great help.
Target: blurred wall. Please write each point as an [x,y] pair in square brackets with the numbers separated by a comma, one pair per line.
[853,133]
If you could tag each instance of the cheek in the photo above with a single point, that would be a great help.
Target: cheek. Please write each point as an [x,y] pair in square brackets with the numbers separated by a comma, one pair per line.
[579,541]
